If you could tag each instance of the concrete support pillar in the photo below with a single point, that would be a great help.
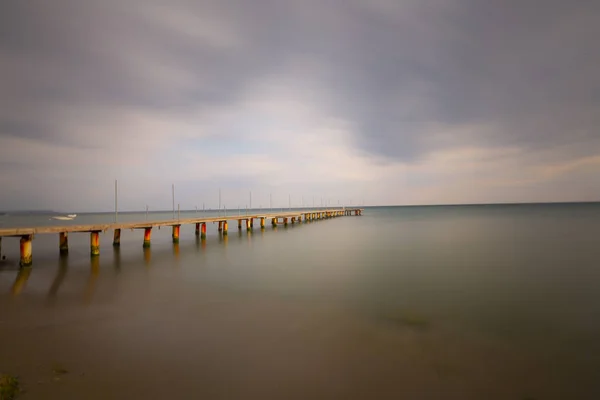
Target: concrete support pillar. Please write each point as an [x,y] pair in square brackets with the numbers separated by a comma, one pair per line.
[293,220]
[197,228]
[117,238]
[176,233]
[240,224]
[63,243]
[25,246]
[248,226]
[251,222]
[203,231]
[95,243]
[285,220]
[224,227]
[220,226]
[274,221]
[147,237]
[262,223]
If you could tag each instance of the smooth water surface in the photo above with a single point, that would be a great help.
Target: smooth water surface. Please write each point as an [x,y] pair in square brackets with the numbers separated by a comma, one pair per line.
[457,302]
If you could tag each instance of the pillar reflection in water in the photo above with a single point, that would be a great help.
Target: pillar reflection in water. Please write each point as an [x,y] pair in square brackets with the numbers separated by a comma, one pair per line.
[147,256]
[20,281]
[63,265]
[91,286]
[117,258]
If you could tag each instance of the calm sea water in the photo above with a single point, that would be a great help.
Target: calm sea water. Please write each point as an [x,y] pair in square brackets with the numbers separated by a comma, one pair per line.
[469,302]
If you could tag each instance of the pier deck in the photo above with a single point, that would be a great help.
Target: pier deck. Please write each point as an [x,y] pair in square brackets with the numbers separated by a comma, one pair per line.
[27,234]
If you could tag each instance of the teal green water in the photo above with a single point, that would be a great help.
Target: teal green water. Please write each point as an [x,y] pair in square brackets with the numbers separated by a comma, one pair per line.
[469,302]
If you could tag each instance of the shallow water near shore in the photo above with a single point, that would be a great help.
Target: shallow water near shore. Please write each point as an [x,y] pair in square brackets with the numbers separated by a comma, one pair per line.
[468,302]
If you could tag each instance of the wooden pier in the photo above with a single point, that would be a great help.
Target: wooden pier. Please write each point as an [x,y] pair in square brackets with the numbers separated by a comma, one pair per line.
[26,234]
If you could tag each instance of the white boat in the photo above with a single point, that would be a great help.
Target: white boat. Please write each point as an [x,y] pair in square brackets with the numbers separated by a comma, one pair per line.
[71,215]
[63,218]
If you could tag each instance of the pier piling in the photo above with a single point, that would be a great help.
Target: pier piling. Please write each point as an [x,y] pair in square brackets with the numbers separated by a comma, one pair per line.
[147,237]
[248,225]
[95,243]
[224,227]
[203,231]
[117,238]
[176,233]
[197,228]
[25,247]
[262,222]
[63,243]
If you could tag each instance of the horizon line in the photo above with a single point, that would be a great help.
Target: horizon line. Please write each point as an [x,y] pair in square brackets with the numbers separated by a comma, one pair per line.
[315,207]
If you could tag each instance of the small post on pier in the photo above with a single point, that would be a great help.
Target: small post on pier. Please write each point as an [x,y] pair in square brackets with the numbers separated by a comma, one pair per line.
[203,231]
[224,227]
[147,237]
[176,233]
[173,197]
[116,204]
[95,243]
[63,243]
[117,238]
[25,247]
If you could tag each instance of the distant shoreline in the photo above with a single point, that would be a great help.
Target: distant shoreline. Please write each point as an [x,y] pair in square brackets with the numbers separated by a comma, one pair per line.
[51,212]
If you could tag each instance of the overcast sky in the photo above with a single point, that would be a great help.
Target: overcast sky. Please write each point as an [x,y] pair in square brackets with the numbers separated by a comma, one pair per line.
[381,101]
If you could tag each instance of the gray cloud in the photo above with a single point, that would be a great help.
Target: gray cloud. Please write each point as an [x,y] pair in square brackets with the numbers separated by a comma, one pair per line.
[409,77]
